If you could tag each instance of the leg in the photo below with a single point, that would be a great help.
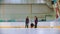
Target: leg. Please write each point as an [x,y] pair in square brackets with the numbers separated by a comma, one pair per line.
[35,25]
[27,25]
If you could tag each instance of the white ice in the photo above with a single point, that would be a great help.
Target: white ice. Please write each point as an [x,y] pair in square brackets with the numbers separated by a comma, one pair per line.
[29,31]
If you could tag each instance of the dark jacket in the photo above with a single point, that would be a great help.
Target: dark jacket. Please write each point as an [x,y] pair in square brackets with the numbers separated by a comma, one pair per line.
[36,20]
[27,20]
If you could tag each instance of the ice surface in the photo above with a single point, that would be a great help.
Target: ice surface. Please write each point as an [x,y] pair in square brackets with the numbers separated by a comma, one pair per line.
[29,31]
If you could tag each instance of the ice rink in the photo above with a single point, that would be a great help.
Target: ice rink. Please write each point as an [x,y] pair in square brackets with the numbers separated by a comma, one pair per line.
[12,30]
[29,31]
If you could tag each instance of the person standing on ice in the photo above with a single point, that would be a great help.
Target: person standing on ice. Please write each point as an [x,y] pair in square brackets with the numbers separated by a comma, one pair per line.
[27,22]
[36,21]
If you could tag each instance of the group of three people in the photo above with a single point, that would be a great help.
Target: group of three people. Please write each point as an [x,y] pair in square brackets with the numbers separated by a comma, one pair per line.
[27,22]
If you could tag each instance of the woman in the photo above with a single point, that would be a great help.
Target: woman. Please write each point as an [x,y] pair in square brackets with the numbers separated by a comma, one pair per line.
[27,22]
[36,21]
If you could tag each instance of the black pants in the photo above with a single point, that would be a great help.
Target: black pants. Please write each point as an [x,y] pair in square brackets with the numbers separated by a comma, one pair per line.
[26,25]
[35,25]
